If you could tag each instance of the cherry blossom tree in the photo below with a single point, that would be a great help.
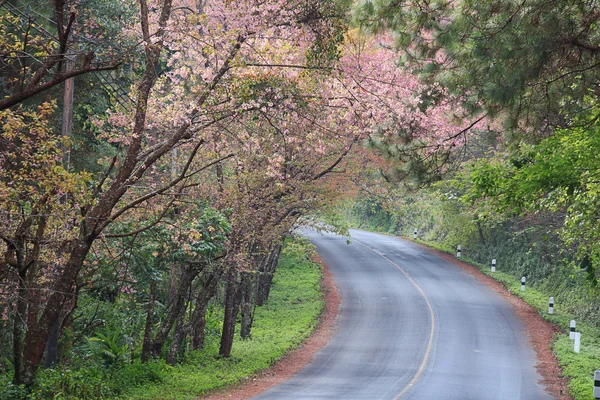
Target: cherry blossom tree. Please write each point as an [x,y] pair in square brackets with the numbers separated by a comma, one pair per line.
[170,113]
[260,107]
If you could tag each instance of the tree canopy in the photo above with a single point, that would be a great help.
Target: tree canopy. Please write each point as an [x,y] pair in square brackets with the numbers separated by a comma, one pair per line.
[155,154]
[530,63]
[202,134]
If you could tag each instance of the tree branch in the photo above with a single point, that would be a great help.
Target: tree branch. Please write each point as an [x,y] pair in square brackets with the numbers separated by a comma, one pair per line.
[298,66]
[163,189]
[336,162]
[31,91]
[144,228]
[584,46]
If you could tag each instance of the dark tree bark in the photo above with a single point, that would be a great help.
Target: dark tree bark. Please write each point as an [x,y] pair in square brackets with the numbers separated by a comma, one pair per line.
[181,278]
[248,304]
[198,327]
[198,319]
[19,331]
[480,230]
[148,326]
[232,304]
[266,274]
[178,337]
[38,329]
[52,346]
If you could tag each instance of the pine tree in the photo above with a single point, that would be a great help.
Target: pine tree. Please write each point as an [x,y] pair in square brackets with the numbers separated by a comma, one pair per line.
[532,63]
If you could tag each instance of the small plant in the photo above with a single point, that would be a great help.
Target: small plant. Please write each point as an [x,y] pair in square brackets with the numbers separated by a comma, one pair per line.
[110,347]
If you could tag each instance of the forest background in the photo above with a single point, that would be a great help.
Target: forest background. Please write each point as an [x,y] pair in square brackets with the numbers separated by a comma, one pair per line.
[156,157]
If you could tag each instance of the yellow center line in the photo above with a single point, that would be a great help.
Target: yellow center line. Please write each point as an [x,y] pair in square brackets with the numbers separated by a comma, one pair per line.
[419,372]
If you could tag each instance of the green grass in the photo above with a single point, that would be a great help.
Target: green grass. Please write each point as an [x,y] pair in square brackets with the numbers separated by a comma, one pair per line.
[579,367]
[289,317]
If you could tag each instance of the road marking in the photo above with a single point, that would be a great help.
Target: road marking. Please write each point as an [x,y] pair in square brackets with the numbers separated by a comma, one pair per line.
[419,372]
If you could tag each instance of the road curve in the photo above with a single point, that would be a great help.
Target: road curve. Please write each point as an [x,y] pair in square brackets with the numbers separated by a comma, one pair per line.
[413,326]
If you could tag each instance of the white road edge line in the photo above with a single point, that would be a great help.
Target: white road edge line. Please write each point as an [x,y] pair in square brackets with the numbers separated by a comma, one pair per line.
[419,372]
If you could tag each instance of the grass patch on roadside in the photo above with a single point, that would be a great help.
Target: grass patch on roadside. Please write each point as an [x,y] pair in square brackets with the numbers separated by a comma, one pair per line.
[578,367]
[290,316]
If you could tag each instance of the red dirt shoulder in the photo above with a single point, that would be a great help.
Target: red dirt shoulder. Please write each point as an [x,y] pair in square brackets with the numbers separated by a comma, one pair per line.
[539,331]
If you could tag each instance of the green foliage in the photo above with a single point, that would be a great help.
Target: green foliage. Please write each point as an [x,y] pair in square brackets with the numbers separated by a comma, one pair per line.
[90,382]
[289,317]
[106,371]
[534,61]
[194,237]
[332,217]
[324,50]
[207,235]
[559,174]
[110,347]
[579,367]
[9,391]
[369,214]
[108,323]
[199,235]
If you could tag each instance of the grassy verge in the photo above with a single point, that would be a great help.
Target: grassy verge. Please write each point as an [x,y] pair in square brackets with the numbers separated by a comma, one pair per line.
[290,316]
[579,367]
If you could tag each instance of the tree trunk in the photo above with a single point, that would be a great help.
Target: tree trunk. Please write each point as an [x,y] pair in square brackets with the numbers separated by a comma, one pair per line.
[247,308]
[38,329]
[198,327]
[178,337]
[19,331]
[264,281]
[148,326]
[232,303]
[198,319]
[480,230]
[266,276]
[67,117]
[181,277]
[52,345]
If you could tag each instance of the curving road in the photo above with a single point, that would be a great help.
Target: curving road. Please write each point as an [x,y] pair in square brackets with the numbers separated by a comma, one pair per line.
[413,326]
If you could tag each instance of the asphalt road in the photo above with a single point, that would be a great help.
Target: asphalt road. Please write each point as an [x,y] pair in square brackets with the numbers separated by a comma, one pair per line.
[413,326]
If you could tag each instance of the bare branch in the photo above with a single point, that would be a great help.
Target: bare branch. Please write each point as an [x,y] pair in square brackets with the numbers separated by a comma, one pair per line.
[183,175]
[104,177]
[297,66]
[336,162]
[32,90]
[146,227]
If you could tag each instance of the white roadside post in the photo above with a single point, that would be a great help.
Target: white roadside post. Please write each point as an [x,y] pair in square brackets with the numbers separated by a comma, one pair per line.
[572,330]
[551,305]
[577,345]
[458,251]
[494,265]
[415,233]
[522,284]
[597,384]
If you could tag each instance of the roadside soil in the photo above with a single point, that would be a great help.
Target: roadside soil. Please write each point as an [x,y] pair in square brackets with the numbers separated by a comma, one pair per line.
[295,359]
[539,331]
